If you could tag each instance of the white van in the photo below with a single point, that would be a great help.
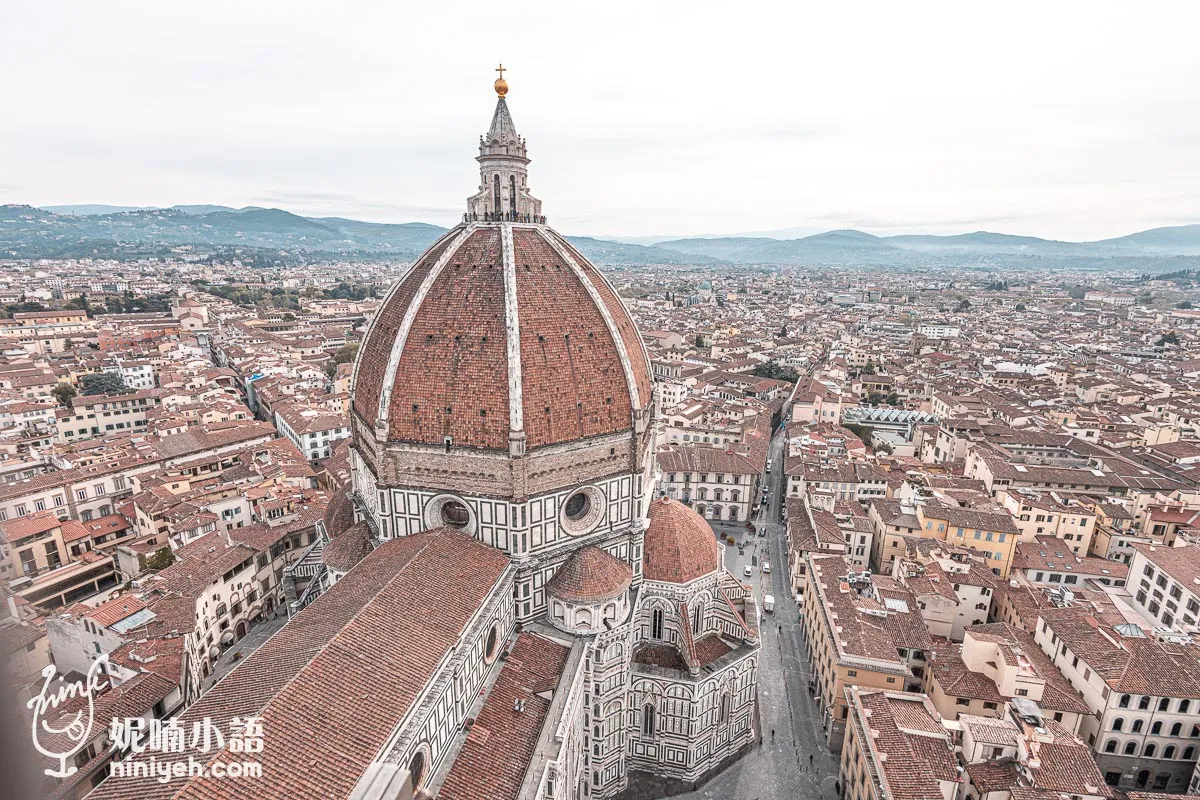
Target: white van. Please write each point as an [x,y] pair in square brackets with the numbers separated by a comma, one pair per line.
[767,567]
[769,603]
[768,465]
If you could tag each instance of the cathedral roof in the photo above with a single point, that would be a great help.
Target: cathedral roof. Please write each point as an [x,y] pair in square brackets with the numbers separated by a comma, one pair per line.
[680,546]
[499,751]
[590,575]
[350,665]
[501,328]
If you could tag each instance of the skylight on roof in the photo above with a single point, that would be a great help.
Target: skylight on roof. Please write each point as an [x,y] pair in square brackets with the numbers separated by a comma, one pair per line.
[1130,631]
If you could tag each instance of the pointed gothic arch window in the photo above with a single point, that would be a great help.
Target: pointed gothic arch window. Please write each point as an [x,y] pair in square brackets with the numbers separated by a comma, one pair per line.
[696,617]
[512,194]
[726,705]
[496,193]
[648,721]
[656,624]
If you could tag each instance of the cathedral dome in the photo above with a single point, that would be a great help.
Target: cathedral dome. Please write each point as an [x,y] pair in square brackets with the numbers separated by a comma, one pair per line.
[347,548]
[501,336]
[680,546]
[501,331]
[590,575]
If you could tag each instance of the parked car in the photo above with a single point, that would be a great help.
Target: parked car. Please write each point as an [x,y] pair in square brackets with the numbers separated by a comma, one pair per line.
[767,567]
[769,603]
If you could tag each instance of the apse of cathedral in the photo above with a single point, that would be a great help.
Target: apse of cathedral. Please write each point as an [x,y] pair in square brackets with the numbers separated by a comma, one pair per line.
[506,609]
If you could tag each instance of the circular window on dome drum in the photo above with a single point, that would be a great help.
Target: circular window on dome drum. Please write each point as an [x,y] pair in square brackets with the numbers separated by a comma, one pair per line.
[455,514]
[582,511]
[577,506]
[450,511]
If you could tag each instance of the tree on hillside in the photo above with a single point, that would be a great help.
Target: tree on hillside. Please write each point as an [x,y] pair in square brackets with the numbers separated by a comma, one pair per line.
[1167,338]
[63,393]
[102,383]
[1185,305]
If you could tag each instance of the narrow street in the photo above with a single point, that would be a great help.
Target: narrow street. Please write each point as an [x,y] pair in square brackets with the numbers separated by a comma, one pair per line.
[780,768]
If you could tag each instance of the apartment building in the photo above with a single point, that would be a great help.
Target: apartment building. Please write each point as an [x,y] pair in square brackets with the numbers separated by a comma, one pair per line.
[896,747]
[863,631]
[1142,691]
[990,533]
[1050,514]
[37,566]
[1050,560]
[717,483]
[313,430]
[953,587]
[1165,583]
[101,415]
[996,663]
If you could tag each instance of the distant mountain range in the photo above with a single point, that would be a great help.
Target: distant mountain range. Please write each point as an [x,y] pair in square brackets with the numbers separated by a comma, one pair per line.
[272,235]
[265,236]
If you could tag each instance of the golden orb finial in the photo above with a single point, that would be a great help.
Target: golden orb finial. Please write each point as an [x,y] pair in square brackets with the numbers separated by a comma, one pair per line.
[501,84]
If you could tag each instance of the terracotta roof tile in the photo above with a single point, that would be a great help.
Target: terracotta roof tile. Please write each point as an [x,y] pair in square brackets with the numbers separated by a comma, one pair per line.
[495,757]
[590,575]
[679,544]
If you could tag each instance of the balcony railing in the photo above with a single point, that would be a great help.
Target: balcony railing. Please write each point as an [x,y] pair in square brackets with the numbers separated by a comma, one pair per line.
[509,216]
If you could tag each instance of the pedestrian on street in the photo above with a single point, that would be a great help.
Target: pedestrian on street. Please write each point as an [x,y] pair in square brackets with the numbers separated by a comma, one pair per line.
[781,629]
[772,734]
[810,760]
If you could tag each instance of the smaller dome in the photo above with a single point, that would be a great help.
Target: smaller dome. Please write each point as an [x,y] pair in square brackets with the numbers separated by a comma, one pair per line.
[680,546]
[590,575]
[348,548]
[339,514]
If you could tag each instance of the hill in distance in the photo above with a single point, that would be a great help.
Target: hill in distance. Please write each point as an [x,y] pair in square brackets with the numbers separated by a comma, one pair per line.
[27,232]
[95,230]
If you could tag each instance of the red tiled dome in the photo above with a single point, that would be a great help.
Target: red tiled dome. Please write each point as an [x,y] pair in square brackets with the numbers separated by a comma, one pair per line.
[348,548]
[479,326]
[339,514]
[680,545]
[590,575]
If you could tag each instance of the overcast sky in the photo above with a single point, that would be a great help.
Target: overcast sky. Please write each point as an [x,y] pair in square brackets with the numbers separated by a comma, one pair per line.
[1057,119]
